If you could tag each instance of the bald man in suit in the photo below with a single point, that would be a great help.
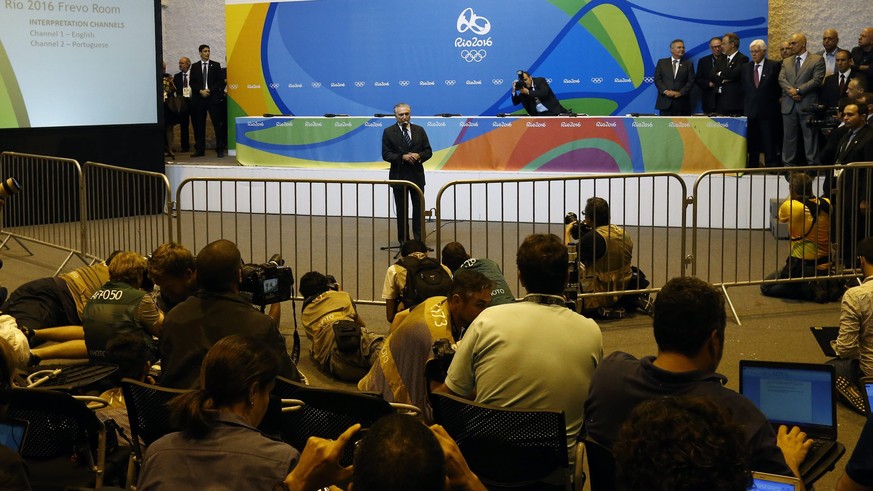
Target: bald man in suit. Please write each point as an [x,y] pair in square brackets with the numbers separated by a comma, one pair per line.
[801,76]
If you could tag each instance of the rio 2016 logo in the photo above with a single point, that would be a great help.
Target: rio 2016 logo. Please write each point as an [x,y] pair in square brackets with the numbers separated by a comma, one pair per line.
[478,25]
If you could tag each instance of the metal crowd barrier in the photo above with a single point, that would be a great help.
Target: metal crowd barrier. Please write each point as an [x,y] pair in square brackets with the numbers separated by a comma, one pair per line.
[733,232]
[343,228]
[47,210]
[126,209]
[490,219]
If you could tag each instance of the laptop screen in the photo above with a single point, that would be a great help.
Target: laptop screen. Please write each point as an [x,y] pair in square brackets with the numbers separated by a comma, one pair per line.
[770,482]
[868,389]
[12,432]
[793,394]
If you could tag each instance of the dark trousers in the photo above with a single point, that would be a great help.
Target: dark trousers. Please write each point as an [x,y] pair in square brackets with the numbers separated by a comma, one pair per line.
[402,195]
[198,121]
[184,121]
[762,138]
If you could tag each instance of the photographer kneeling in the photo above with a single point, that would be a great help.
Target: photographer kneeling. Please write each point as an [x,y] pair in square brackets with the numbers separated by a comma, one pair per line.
[604,254]
[340,345]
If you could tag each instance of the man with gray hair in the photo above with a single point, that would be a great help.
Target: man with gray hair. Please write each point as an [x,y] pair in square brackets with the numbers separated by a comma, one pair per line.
[801,76]
[760,82]
[406,147]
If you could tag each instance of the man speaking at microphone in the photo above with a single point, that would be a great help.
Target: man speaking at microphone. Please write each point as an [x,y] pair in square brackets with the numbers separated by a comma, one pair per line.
[405,146]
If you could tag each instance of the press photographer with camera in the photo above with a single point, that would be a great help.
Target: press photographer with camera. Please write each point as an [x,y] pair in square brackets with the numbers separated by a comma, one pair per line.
[341,346]
[604,255]
[216,311]
[535,95]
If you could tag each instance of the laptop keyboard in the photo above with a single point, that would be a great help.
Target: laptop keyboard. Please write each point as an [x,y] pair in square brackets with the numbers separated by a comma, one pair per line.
[818,450]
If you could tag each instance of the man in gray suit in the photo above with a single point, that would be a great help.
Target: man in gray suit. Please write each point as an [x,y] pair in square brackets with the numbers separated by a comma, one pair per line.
[801,76]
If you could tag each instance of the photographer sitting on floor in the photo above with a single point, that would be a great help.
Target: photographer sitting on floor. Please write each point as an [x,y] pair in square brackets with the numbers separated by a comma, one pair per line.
[340,345]
[604,253]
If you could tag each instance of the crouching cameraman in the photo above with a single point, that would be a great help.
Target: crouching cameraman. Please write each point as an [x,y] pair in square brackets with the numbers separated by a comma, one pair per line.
[604,253]
[340,345]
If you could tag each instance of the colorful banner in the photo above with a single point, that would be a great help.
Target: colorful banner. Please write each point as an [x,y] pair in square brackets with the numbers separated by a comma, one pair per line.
[517,144]
[448,56]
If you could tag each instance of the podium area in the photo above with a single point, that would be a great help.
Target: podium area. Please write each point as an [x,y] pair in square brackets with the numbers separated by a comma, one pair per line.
[580,144]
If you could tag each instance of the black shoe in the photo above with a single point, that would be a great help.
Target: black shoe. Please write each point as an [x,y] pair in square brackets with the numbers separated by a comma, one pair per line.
[34,360]
[186,149]
[197,154]
[220,154]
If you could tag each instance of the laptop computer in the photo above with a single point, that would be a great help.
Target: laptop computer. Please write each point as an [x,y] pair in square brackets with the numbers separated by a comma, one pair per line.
[761,481]
[795,394]
[12,433]
[867,387]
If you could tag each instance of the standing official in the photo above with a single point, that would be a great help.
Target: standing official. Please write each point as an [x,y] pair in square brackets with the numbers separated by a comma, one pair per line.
[800,79]
[729,95]
[207,85]
[862,55]
[830,41]
[406,147]
[760,82]
[182,82]
[674,78]
[835,86]
[707,68]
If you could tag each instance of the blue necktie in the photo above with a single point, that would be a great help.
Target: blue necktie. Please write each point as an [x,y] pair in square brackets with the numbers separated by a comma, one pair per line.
[406,136]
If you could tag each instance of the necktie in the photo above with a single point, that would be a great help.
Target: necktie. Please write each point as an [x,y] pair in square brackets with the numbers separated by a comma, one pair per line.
[796,65]
[185,80]
[757,75]
[406,136]
[205,75]
[675,67]
[842,84]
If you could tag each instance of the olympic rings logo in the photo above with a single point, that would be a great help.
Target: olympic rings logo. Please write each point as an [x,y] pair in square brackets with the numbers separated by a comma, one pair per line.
[469,21]
[360,84]
[596,80]
[404,83]
[649,80]
[274,85]
[450,82]
[497,81]
[473,55]
[316,85]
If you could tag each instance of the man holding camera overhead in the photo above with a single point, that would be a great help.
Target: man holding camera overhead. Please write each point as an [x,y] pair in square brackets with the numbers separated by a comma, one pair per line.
[536,96]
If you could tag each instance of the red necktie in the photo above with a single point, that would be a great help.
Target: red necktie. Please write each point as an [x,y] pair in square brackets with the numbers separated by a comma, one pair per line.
[842,85]
[757,76]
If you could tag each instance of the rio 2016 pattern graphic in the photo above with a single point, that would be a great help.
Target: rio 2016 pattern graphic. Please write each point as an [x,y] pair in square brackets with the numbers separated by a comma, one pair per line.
[353,57]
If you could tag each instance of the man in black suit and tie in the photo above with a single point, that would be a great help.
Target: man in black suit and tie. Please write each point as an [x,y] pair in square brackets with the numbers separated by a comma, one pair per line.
[706,77]
[182,82]
[674,78]
[207,85]
[834,87]
[406,147]
[855,146]
[729,92]
[760,82]
[800,78]
[862,55]
[536,96]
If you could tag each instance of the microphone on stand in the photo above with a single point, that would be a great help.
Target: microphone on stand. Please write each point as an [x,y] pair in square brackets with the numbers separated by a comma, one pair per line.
[382,115]
[332,115]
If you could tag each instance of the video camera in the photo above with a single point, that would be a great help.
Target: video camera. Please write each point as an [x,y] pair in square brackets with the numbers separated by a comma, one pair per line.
[267,283]
[824,117]
[519,84]
[581,227]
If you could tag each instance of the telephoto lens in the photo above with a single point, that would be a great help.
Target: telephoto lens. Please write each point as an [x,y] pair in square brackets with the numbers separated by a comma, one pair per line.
[9,187]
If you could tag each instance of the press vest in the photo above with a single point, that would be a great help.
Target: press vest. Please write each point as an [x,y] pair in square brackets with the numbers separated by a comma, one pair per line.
[110,311]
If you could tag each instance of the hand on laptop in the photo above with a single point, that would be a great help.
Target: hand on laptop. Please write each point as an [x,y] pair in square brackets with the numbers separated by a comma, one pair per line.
[794,446]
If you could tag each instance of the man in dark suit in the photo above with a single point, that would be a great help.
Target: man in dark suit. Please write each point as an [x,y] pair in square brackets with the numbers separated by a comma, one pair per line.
[834,87]
[729,92]
[536,96]
[182,82]
[707,68]
[855,146]
[760,82]
[674,78]
[800,78]
[406,147]
[207,85]
[862,55]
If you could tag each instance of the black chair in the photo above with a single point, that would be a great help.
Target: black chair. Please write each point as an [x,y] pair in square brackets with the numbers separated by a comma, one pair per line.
[325,413]
[508,448]
[601,466]
[65,444]
[148,414]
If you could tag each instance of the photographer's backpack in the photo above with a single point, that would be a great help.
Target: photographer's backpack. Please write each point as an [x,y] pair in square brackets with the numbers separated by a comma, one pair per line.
[425,278]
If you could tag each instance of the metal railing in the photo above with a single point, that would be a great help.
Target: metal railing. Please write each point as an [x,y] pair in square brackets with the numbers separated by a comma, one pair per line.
[48,211]
[294,218]
[125,209]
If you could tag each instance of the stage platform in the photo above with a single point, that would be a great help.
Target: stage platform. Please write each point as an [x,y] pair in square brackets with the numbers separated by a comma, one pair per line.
[517,144]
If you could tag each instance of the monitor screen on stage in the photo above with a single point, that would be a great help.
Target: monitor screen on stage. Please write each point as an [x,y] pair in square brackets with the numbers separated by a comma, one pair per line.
[78,63]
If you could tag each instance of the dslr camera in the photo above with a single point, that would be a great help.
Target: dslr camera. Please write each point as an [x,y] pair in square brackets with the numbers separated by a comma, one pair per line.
[519,83]
[823,117]
[581,227]
[267,283]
